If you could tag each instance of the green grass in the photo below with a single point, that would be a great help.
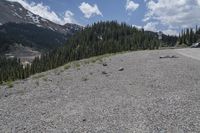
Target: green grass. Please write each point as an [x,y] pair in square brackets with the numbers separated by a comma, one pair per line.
[86,62]
[9,84]
[74,64]
[67,66]
[96,59]
[45,79]
[77,64]
[62,70]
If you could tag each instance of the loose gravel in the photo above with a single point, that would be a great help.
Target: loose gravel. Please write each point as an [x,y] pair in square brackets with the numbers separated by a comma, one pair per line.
[150,95]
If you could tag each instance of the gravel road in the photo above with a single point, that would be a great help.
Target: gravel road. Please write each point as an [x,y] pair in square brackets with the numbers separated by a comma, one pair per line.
[190,52]
[149,95]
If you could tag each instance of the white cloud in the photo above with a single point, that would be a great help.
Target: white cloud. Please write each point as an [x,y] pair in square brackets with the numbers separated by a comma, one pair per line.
[198,1]
[46,12]
[151,26]
[69,17]
[137,26]
[170,32]
[131,5]
[174,13]
[154,26]
[89,10]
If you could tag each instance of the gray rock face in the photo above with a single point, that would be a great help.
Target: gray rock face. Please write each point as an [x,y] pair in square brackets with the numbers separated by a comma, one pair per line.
[16,13]
[150,96]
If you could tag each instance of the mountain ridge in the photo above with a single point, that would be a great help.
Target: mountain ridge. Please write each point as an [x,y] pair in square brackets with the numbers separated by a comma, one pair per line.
[16,13]
[19,26]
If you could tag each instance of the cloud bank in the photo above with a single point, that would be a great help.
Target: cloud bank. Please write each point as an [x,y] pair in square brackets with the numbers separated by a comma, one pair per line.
[131,5]
[173,14]
[89,10]
[151,26]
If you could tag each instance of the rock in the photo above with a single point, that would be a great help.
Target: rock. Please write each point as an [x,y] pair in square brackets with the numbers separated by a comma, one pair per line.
[173,56]
[50,80]
[91,73]
[104,64]
[121,69]
[6,95]
[103,72]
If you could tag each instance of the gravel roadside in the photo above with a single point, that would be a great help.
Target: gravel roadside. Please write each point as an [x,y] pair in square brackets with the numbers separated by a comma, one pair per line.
[190,52]
[134,92]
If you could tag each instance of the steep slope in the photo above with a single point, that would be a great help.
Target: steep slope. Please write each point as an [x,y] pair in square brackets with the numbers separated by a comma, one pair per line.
[16,13]
[29,35]
[20,27]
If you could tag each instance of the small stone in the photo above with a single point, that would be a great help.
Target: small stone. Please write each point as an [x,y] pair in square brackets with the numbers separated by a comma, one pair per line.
[121,69]
[43,113]
[91,73]
[104,64]
[104,72]
[84,120]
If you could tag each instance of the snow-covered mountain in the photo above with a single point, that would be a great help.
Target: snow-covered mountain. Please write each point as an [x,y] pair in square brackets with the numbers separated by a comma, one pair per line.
[16,13]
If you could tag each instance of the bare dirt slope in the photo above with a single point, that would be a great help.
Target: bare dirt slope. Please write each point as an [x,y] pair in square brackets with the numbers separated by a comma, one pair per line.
[23,53]
[151,95]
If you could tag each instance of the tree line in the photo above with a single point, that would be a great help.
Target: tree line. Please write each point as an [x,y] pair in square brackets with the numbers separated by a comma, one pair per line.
[189,36]
[97,39]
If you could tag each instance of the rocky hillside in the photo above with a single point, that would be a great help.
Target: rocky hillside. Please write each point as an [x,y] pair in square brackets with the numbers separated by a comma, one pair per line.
[16,13]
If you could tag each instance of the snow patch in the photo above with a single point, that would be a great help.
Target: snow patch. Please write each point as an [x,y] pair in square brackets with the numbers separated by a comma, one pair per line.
[1,24]
[20,9]
[38,25]
[51,28]
[15,14]
[29,14]
[43,19]
[35,18]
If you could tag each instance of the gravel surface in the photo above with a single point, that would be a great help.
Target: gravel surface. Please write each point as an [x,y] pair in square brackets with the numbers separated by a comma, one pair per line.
[134,92]
[190,52]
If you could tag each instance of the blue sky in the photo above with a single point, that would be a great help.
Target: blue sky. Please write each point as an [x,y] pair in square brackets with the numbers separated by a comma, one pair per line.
[111,10]
[169,16]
